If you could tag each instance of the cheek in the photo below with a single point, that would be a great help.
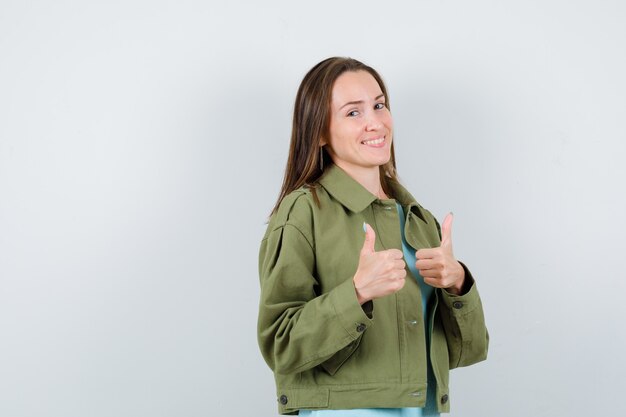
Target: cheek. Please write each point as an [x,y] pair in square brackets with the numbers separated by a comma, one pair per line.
[341,135]
[388,121]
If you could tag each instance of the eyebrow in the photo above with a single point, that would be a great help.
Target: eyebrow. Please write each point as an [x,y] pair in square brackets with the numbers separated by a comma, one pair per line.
[359,101]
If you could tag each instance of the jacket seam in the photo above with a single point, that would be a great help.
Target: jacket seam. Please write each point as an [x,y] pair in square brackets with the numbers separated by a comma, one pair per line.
[315,358]
[301,233]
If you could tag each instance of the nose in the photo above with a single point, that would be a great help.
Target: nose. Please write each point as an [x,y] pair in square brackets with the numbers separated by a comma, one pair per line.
[373,122]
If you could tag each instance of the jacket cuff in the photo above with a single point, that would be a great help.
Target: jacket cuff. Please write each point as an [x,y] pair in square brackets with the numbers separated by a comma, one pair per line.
[465,303]
[350,314]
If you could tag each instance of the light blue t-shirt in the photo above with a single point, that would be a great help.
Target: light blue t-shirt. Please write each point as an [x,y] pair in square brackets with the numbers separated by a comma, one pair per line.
[430,410]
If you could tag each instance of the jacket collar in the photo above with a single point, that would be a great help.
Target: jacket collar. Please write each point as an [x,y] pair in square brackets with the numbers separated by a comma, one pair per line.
[356,198]
[345,189]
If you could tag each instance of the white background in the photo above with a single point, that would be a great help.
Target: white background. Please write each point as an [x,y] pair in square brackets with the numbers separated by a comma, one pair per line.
[142,145]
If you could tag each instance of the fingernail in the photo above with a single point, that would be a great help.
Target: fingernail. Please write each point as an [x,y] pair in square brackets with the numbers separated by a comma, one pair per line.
[364,227]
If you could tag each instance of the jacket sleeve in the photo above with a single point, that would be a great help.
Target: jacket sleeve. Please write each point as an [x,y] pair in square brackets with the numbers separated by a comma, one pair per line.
[298,328]
[464,325]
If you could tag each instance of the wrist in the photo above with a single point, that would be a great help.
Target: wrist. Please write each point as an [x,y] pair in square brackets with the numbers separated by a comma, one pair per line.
[360,298]
[457,287]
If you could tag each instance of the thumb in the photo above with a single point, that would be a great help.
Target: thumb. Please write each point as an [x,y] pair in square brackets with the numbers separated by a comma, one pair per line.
[446,230]
[370,240]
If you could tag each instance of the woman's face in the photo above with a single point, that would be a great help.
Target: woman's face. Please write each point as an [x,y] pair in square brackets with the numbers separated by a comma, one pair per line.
[360,124]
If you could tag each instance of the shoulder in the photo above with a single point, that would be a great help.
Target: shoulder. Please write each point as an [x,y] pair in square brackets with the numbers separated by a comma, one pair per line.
[296,206]
[288,239]
[297,210]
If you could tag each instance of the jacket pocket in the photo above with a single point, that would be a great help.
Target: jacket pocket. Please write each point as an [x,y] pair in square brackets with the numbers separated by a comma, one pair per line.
[332,364]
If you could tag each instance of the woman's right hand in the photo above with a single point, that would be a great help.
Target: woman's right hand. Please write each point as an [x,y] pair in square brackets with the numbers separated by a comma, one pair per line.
[379,273]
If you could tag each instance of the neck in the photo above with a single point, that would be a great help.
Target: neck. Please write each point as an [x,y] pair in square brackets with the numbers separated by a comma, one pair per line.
[369,178]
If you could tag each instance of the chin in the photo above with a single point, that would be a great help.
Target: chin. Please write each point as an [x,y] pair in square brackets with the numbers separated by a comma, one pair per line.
[383,161]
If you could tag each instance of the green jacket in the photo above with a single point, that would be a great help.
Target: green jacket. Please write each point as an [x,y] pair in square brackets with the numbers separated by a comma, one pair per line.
[326,350]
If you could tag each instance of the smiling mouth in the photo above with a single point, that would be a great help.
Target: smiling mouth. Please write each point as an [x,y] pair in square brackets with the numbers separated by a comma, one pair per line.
[373,142]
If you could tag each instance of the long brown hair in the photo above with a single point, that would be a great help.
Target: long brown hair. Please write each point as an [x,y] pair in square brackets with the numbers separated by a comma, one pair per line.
[311,122]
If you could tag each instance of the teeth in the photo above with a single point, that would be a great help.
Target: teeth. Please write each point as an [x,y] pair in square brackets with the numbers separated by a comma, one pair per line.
[373,141]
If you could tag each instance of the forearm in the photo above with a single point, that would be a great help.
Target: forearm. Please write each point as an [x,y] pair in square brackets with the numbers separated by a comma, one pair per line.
[297,327]
[305,334]
[464,324]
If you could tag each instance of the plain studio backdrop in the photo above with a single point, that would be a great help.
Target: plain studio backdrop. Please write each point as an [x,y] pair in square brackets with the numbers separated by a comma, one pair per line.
[143,143]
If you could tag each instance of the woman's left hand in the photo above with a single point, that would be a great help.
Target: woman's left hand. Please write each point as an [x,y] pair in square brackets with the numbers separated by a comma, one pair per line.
[438,266]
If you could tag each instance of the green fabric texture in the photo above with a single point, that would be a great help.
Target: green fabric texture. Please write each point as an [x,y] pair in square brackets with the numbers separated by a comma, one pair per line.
[326,350]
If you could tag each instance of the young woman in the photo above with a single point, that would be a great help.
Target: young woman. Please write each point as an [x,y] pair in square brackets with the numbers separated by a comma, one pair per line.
[364,308]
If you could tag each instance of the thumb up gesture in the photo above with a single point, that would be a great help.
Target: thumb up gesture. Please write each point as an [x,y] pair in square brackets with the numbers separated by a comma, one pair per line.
[379,273]
[438,266]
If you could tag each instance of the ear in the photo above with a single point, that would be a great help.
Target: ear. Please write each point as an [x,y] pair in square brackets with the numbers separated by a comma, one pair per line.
[323,142]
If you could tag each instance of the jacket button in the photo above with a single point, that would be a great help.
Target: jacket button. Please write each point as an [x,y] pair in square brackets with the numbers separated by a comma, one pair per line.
[283,399]
[457,304]
[444,398]
[360,327]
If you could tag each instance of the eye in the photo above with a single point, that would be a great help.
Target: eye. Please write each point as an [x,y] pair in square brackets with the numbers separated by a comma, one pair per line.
[379,106]
[353,113]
